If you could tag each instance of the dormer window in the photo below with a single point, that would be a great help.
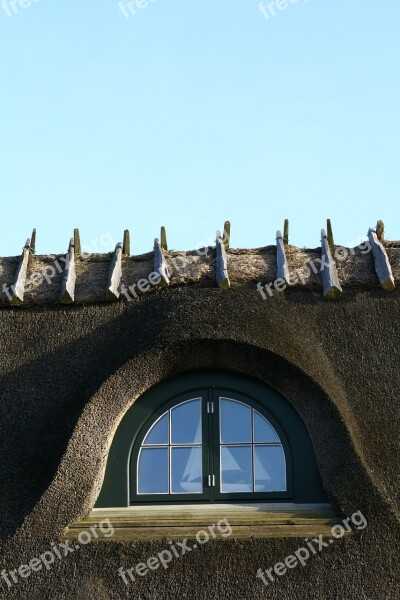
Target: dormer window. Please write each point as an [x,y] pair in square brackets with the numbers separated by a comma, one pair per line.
[210,437]
[211,446]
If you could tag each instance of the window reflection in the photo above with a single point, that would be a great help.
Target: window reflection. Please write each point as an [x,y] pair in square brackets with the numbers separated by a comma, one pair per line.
[186,470]
[170,458]
[159,433]
[153,471]
[235,422]
[251,455]
[236,469]
[186,423]
[252,458]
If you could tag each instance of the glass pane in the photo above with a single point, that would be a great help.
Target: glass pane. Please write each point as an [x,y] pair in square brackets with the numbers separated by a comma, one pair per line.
[236,471]
[263,431]
[186,423]
[158,434]
[235,422]
[186,471]
[153,471]
[270,469]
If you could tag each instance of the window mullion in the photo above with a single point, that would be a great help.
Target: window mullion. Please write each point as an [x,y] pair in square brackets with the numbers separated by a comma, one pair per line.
[169,453]
[253,470]
[214,442]
[210,445]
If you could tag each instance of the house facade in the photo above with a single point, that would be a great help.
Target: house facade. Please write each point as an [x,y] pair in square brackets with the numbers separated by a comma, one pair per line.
[227,427]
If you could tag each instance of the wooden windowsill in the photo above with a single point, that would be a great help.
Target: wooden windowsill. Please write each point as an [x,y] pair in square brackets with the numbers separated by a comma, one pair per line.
[184,521]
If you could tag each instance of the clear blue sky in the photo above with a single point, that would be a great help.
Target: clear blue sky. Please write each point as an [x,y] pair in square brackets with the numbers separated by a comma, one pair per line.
[190,113]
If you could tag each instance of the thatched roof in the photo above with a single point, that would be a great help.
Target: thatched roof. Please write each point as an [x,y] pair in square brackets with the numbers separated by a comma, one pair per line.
[68,375]
[246,267]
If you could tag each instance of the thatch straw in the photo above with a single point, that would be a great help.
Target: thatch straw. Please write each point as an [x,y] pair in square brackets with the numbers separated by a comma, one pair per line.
[245,267]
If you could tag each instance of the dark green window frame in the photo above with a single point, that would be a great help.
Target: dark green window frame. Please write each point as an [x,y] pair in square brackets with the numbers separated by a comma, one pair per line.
[303,483]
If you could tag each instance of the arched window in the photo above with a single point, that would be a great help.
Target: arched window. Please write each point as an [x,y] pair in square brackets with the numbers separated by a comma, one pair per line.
[211,437]
[170,458]
[179,455]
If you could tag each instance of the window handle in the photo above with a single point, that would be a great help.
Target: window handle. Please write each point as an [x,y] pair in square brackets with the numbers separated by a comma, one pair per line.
[211,481]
